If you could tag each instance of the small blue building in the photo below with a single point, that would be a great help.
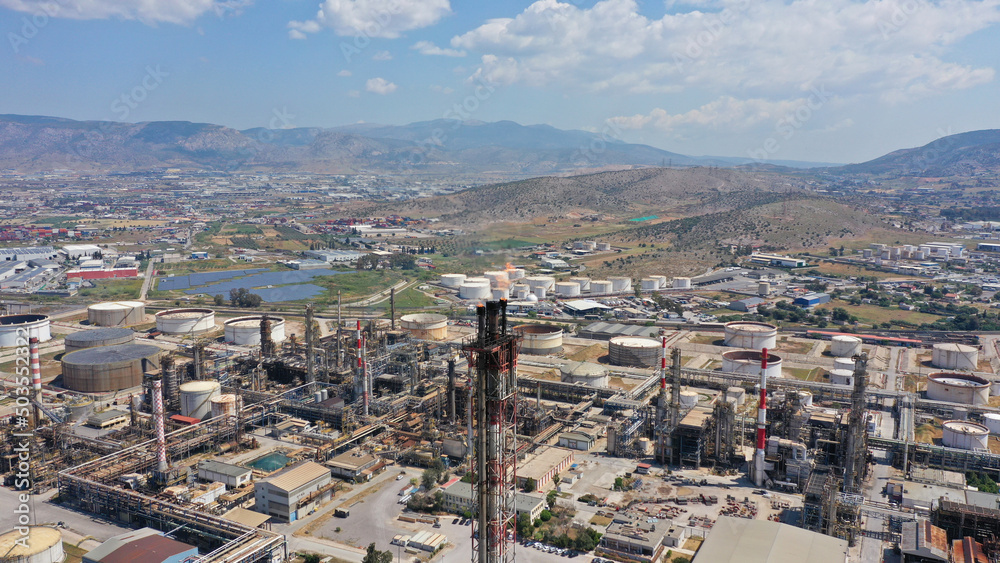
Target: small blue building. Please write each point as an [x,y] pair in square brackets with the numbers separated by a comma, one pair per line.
[812,299]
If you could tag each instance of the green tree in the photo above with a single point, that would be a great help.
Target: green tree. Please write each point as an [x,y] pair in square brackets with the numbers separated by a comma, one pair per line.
[545,516]
[376,556]
[529,485]
[311,558]
[524,527]
[429,478]
[219,300]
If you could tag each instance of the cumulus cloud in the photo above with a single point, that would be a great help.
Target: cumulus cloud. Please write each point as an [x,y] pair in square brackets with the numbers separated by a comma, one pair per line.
[382,56]
[380,86]
[895,49]
[148,11]
[374,18]
[344,72]
[428,48]
[725,111]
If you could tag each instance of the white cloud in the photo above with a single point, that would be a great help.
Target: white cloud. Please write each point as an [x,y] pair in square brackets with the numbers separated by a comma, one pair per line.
[375,18]
[895,49]
[353,93]
[296,34]
[725,112]
[380,86]
[148,11]
[428,48]
[441,89]
[344,72]
[382,56]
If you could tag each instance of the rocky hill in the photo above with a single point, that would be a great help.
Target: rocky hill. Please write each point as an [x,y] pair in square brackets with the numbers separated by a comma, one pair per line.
[964,154]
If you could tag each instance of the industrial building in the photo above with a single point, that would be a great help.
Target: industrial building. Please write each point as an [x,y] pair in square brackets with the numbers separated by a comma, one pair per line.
[293,491]
[546,463]
[233,476]
[146,545]
[738,540]
[353,466]
[458,498]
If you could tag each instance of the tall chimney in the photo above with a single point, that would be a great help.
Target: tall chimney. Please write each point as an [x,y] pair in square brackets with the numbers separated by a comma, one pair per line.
[761,422]
[36,375]
[161,441]
[451,390]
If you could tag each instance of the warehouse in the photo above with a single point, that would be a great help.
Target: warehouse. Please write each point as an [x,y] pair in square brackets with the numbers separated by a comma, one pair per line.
[146,545]
[352,466]
[607,331]
[232,475]
[458,498]
[577,441]
[547,462]
[640,541]
[923,541]
[812,299]
[738,540]
[293,491]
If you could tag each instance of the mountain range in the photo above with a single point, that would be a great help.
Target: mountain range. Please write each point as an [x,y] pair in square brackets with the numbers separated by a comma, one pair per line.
[502,149]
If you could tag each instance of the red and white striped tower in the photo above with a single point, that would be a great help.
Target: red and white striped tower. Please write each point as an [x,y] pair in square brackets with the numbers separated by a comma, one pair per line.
[364,371]
[661,405]
[161,441]
[36,375]
[758,476]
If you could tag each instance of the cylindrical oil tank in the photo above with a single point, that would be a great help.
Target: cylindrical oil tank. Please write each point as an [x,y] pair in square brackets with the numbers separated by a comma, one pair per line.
[326,394]
[501,293]
[843,363]
[79,408]
[117,313]
[682,283]
[245,331]
[519,291]
[960,413]
[225,405]
[649,284]
[994,386]
[593,375]
[475,290]
[748,362]
[567,289]
[844,346]
[583,282]
[539,292]
[540,340]
[805,399]
[185,321]
[515,274]
[634,351]
[498,278]
[600,287]
[842,377]
[41,545]
[98,337]
[961,388]
[764,289]
[196,397]
[548,282]
[745,334]
[991,421]
[644,445]
[20,327]
[965,435]
[109,368]
[452,280]
[620,284]
[425,326]
[603,246]
[688,399]
[317,397]
[948,355]
[660,280]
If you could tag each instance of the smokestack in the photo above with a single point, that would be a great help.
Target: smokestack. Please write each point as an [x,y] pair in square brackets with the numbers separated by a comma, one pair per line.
[36,375]
[468,417]
[310,338]
[362,369]
[451,390]
[392,306]
[161,441]
[761,422]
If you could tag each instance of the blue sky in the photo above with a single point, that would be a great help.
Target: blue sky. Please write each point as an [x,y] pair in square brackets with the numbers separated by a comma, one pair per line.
[830,80]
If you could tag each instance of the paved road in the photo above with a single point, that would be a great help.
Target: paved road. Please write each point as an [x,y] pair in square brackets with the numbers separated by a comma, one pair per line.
[146,283]
[43,512]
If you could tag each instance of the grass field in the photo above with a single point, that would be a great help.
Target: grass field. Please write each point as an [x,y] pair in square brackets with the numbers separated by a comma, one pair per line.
[805,374]
[850,270]
[410,299]
[113,290]
[874,314]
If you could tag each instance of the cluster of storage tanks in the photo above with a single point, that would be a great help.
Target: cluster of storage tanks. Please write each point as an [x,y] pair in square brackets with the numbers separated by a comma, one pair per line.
[204,399]
[515,284]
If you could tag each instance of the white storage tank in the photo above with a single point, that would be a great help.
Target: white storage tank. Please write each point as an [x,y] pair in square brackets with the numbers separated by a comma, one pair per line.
[600,287]
[763,289]
[583,282]
[540,340]
[682,283]
[620,284]
[515,274]
[15,328]
[117,313]
[41,545]
[498,278]
[520,291]
[948,355]
[994,386]
[603,246]
[688,399]
[452,280]
[501,293]
[185,321]
[965,435]
[844,346]
[961,388]
[539,292]
[746,334]
[842,377]
[991,421]
[661,280]
[567,289]
[805,399]
[425,326]
[474,290]
[547,282]
[843,363]
[748,362]
[196,397]
[649,284]
[592,375]
[634,351]
[225,405]
[245,331]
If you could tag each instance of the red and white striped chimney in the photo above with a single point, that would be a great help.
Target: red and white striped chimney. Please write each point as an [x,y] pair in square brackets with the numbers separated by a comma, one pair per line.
[761,421]
[36,367]
[161,441]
